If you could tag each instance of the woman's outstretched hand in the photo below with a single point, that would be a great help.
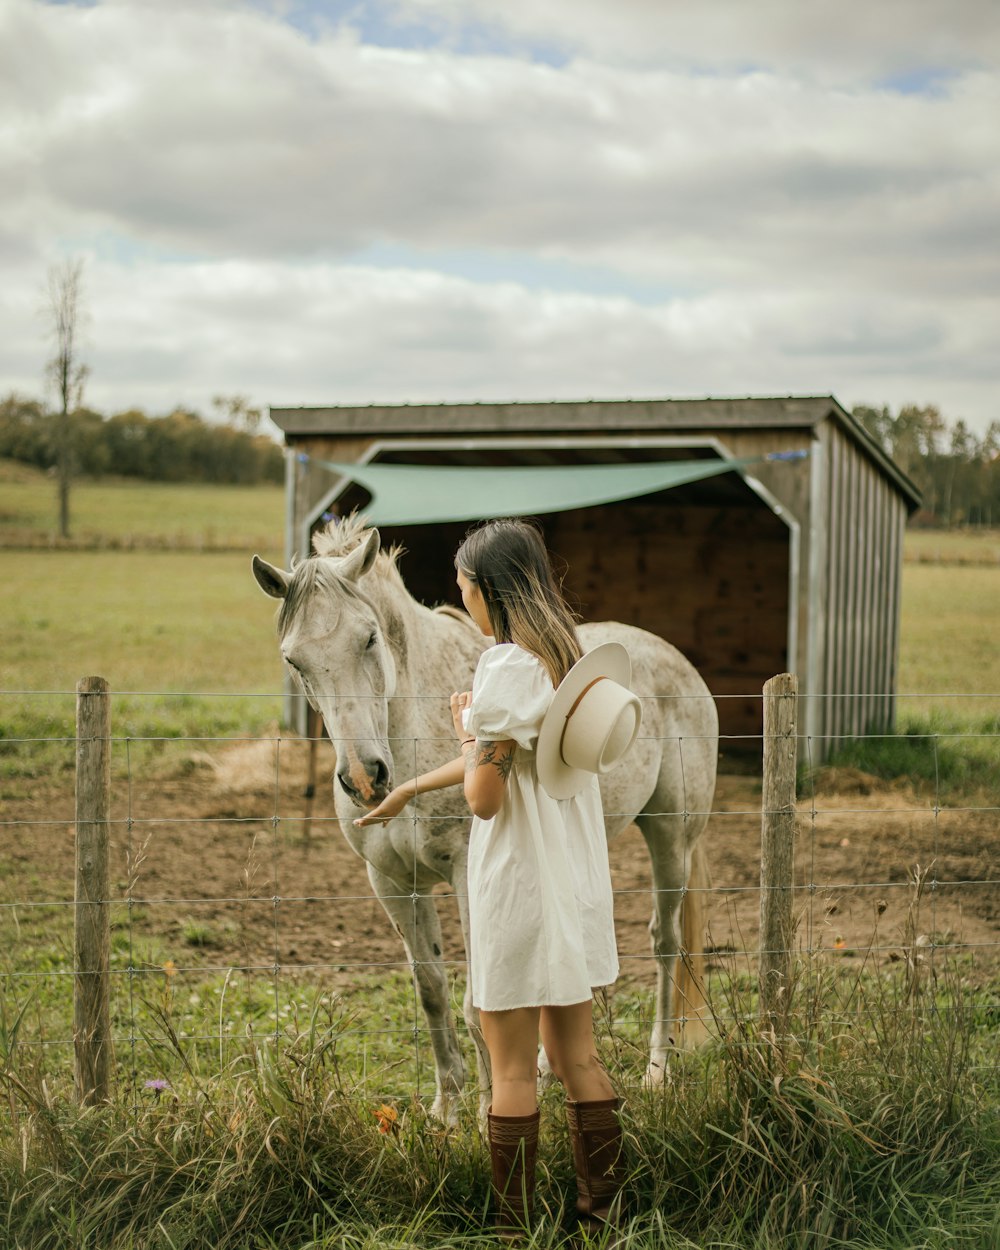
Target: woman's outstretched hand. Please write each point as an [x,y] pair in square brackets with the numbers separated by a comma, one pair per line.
[391,806]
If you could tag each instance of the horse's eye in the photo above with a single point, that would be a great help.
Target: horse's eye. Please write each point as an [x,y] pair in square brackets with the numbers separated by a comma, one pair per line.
[372,640]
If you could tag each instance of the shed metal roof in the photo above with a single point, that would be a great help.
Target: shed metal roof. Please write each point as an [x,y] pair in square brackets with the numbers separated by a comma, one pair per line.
[579,416]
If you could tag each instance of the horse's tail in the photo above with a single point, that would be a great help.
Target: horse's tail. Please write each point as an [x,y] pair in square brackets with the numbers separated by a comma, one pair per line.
[691,1004]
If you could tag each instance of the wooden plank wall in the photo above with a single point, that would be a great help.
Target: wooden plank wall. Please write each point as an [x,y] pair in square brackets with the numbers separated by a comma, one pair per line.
[712,581]
[864,561]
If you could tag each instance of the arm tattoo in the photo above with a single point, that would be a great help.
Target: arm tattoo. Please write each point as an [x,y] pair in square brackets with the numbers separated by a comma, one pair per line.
[488,753]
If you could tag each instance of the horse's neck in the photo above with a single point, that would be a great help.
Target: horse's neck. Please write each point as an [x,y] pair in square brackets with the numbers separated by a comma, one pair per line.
[424,645]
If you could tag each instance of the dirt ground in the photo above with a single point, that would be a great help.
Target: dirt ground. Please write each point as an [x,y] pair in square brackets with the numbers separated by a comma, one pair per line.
[223,869]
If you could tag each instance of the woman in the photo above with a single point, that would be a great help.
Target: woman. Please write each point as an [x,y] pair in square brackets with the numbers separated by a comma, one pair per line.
[540,899]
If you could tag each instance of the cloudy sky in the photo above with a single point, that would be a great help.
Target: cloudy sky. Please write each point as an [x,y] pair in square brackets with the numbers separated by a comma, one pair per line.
[417,200]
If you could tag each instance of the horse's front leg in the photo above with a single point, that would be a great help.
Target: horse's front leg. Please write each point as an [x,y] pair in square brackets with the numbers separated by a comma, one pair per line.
[415,918]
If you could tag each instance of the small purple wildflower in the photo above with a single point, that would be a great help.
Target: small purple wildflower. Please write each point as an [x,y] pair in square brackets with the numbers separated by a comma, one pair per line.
[157,1085]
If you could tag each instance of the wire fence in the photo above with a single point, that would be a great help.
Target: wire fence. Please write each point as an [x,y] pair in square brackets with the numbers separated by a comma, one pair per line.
[237,913]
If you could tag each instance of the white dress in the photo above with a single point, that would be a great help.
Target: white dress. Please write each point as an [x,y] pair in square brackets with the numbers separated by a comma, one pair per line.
[540,900]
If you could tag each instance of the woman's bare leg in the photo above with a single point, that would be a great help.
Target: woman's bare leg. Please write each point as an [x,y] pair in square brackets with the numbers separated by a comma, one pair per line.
[568,1038]
[512,1039]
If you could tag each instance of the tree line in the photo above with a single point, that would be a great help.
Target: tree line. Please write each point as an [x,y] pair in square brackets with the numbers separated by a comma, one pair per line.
[957,472]
[179,447]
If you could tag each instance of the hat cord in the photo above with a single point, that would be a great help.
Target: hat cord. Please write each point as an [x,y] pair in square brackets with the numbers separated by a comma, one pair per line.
[576,703]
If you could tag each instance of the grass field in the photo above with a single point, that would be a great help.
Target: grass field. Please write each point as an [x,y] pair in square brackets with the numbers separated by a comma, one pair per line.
[949,639]
[178,615]
[164,620]
[148,621]
[970,546]
[128,512]
[184,640]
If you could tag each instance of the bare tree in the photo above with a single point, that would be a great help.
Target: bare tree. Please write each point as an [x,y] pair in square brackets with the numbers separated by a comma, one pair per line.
[238,411]
[65,370]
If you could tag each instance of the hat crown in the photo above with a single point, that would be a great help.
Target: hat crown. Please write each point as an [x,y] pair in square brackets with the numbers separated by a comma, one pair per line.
[600,726]
[593,720]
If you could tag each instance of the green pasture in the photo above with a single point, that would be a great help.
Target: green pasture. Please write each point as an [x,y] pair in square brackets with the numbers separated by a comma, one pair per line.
[116,512]
[949,636]
[961,546]
[176,619]
[192,620]
[155,594]
[148,621]
[167,620]
[187,642]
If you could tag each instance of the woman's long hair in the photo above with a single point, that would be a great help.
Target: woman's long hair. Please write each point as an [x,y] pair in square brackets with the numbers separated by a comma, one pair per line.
[508,561]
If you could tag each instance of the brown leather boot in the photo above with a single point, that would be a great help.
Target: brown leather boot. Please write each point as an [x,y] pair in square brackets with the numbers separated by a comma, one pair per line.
[513,1148]
[596,1135]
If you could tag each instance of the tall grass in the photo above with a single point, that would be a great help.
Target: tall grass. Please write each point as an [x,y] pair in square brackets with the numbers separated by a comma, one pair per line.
[869,1120]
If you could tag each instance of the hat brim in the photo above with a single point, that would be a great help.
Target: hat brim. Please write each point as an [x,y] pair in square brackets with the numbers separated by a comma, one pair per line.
[557,778]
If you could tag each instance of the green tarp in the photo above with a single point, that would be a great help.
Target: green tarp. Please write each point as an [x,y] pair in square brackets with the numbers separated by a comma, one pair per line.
[407,494]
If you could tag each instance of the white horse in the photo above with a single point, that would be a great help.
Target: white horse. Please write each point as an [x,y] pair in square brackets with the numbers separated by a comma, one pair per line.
[379,667]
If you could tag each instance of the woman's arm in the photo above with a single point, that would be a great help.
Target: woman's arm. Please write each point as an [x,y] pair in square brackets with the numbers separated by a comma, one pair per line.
[449,774]
[487,767]
[484,765]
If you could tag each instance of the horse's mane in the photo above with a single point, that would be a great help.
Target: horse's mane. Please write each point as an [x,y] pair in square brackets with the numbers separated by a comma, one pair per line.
[336,539]
[340,537]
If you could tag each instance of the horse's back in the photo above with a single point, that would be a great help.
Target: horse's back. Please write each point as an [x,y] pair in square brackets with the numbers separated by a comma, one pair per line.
[662,673]
[673,763]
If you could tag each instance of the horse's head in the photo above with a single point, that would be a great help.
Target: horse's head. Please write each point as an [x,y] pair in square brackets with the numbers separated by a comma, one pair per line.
[333,638]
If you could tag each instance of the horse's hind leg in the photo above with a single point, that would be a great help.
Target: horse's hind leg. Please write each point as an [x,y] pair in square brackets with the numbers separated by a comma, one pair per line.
[415,919]
[678,1021]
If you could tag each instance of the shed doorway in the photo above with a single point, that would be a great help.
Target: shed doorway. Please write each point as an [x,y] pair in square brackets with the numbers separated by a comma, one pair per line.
[708,565]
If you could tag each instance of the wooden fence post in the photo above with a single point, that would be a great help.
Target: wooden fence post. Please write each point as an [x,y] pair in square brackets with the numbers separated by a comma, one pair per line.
[92,930]
[777,847]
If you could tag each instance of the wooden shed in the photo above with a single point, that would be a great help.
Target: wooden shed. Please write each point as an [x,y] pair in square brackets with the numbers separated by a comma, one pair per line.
[771,567]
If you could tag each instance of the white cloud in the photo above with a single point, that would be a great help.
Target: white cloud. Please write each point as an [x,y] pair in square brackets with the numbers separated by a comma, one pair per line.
[325,333]
[790,229]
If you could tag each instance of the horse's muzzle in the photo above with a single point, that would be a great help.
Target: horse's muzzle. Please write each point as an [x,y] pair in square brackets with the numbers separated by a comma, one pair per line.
[366,786]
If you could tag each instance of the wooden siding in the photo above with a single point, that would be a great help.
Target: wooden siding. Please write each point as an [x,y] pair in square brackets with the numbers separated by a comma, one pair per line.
[866,517]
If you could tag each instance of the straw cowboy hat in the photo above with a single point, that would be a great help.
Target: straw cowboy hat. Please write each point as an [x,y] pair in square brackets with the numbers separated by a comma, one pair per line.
[592,721]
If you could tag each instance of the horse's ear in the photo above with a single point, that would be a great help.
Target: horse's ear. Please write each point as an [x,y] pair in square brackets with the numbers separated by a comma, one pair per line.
[272,580]
[361,559]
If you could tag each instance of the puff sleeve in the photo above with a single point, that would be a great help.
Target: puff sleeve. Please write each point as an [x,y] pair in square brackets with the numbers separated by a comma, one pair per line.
[511,693]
